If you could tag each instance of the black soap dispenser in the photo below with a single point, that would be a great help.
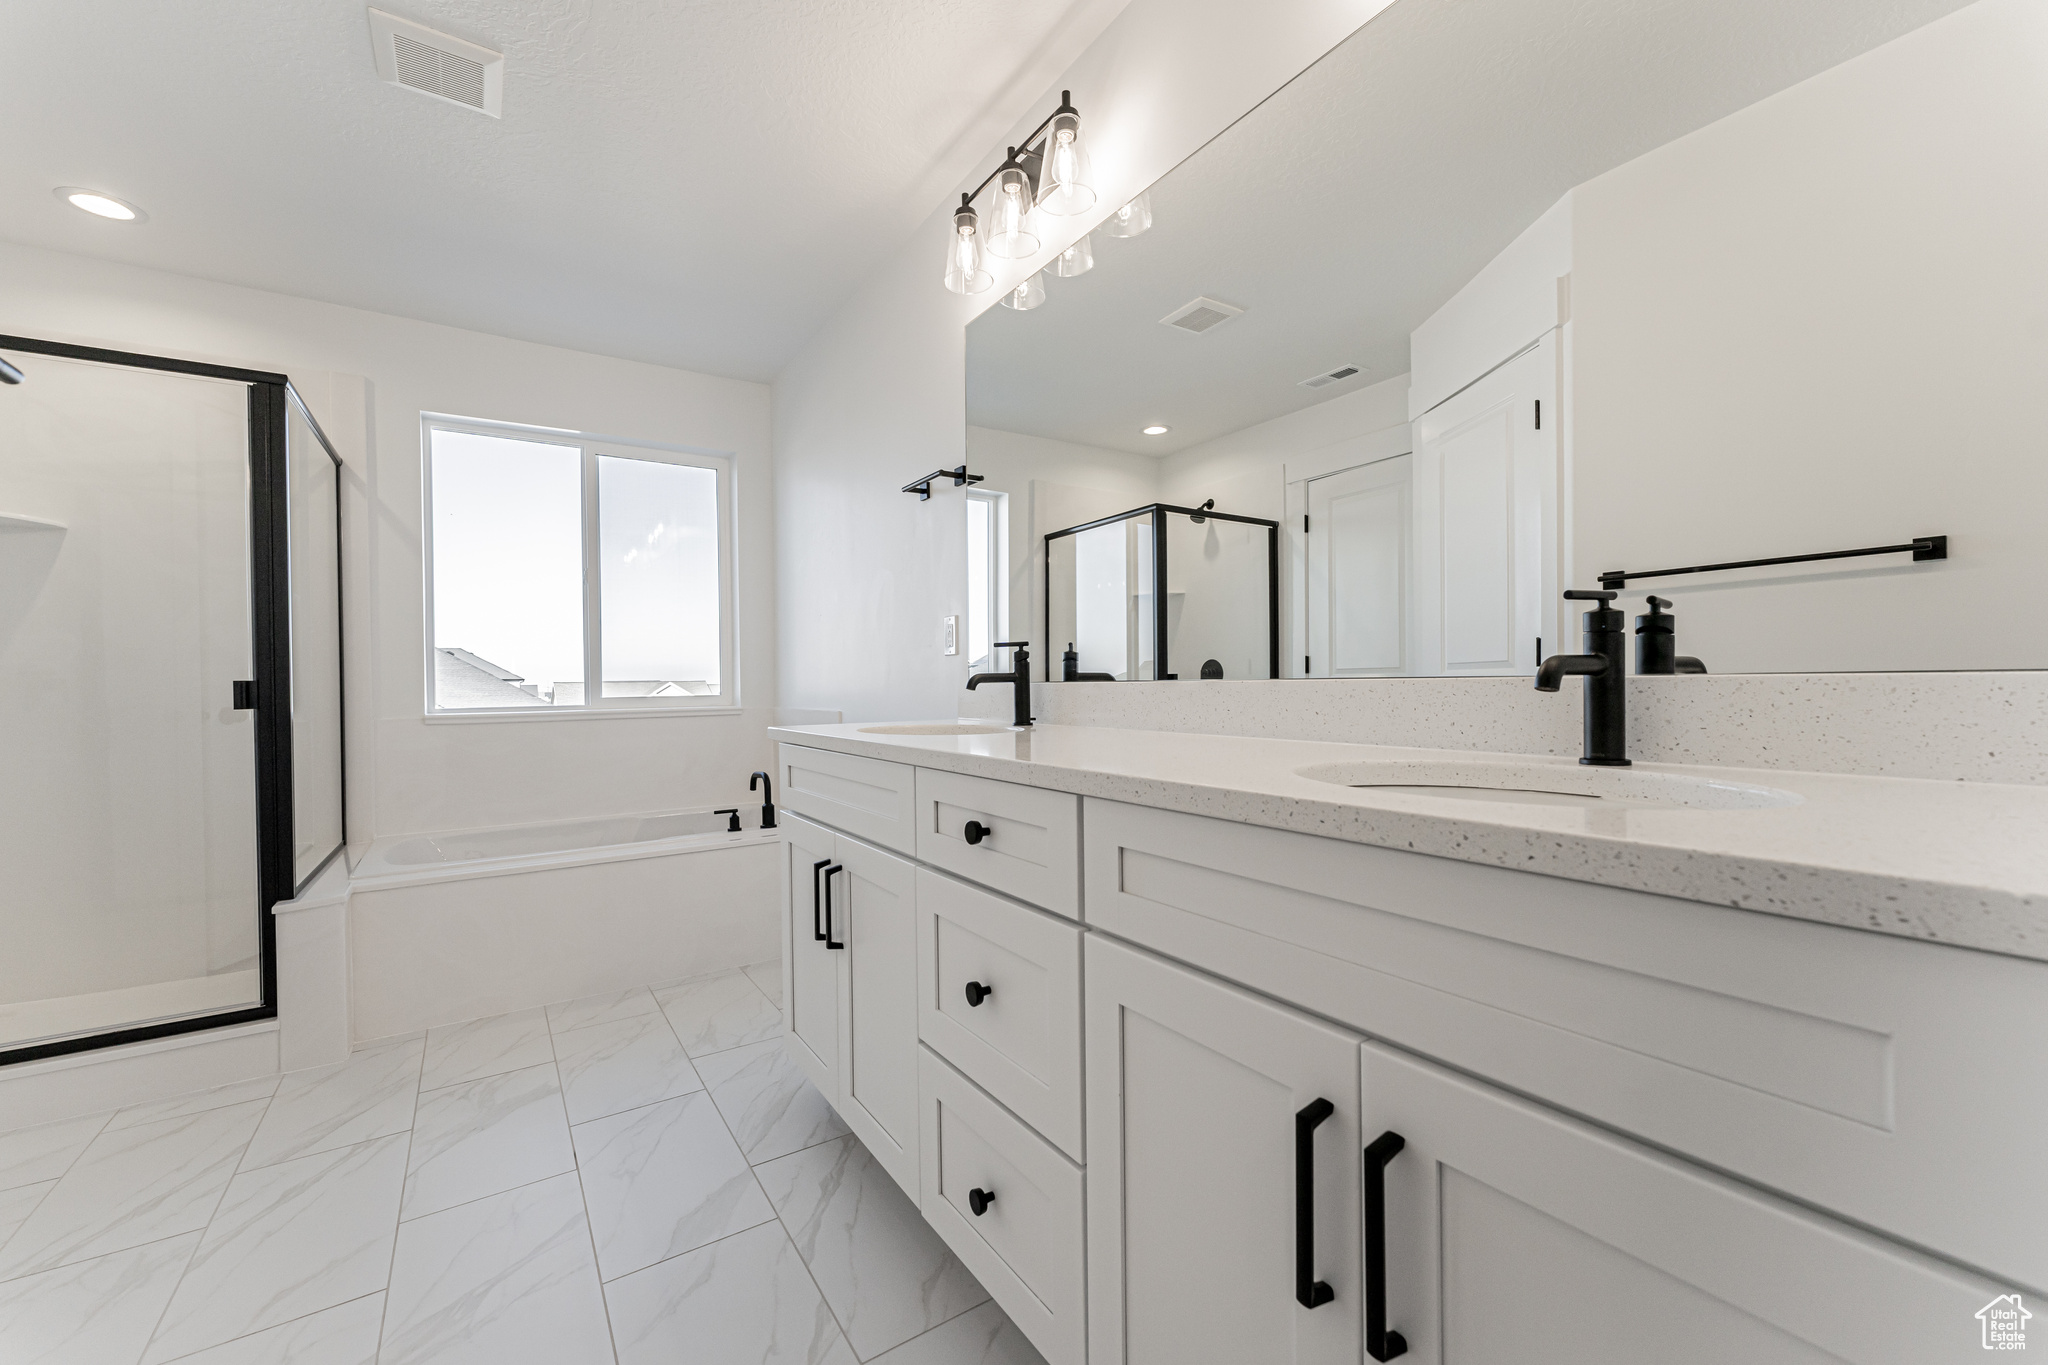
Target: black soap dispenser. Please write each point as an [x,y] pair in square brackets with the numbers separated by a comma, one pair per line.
[1657,643]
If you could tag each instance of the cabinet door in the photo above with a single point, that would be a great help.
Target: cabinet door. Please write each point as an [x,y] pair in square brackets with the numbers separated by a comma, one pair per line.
[1197,1096]
[874,907]
[1515,1236]
[810,972]
[1359,529]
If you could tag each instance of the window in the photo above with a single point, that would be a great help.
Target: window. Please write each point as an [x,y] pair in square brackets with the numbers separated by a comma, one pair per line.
[988,597]
[556,559]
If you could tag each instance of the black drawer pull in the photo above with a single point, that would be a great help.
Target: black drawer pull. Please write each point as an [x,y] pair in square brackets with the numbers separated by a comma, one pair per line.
[979,1200]
[817,934]
[975,832]
[1380,1343]
[976,993]
[1309,1291]
[831,942]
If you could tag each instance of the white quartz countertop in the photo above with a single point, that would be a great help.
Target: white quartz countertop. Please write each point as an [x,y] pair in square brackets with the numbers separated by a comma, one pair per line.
[1962,863]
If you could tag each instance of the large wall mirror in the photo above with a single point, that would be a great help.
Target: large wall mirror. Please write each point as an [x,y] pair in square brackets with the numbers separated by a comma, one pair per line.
[1502,296]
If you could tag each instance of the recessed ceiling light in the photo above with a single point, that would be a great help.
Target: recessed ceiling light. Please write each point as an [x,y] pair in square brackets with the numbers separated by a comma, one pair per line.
[101,205]
[1157,431]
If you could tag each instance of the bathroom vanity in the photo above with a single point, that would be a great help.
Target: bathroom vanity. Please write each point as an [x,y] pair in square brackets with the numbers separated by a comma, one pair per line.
[1199,1048]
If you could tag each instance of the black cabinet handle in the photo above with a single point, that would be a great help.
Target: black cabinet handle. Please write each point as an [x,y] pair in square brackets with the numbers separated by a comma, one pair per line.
[976,993]
[831,942]
[1309,1291]
[979,1200]
[1380,1343]
[817,934]
[975,832]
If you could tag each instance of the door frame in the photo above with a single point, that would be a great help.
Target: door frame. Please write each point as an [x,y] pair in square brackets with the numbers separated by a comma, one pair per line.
[270,399]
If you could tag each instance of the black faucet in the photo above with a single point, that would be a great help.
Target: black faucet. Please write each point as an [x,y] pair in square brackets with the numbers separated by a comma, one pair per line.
[1019,676]
[1657,643]
[1604,666]
[1070,669]
[767,798]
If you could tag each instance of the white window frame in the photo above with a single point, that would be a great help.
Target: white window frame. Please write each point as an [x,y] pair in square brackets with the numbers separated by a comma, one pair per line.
[726,701]
[998,605]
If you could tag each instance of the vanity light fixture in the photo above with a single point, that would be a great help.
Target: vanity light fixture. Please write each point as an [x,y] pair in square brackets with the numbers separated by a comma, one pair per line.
[1077,259]
[1132,219]
[1048,172]
[1157,430]
[1028,294]
[101,205]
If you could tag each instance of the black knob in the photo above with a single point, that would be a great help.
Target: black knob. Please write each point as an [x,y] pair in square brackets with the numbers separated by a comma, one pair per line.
[976,993]
[975,832]
[979,1200]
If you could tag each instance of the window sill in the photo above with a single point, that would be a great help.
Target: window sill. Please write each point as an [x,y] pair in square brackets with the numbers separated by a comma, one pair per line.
[576,713]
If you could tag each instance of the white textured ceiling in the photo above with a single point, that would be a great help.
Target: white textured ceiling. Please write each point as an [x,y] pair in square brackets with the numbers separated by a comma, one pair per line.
[1352,204]
[690,182]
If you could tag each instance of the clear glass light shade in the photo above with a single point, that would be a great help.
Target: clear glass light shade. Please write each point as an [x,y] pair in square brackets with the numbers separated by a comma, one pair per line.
[1063,183]
[1077,259]
[1132,219]
[1027,295]
[965,271]
[1011,233]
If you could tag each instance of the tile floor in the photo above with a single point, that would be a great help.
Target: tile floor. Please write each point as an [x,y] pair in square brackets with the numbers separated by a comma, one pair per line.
[635,1178]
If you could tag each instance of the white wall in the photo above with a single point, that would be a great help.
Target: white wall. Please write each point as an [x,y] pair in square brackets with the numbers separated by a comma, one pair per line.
[1245,471]
[1823,323]
[405,773]
[877,397]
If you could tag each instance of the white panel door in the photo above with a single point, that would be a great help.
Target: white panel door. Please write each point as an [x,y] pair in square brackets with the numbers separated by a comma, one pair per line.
[810,970]
[1516,1236]
[1485,520]
[1200,1099]
[875,917]
[1358,571]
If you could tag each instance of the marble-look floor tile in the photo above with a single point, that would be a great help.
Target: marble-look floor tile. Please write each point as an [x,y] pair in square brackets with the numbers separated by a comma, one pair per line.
[610,1068]
[343,1335]
[768,976]
[505,1280]
[18,1203]
[980,1336]
[485,1047]
[601,1009]
[745,1300]
[95,1312]
[132,1186]
[713,1013]
[885,1272]
[663,1180]
[288,1240]
[177,1107]
[484,1136]
[29,1156]
[317,1110]
[768,1102]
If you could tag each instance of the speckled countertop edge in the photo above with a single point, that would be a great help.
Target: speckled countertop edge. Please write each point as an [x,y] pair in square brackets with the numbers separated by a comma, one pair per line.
[1963,864]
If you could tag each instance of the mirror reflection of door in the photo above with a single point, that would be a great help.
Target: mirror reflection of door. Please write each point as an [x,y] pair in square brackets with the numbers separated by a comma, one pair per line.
[1358,575]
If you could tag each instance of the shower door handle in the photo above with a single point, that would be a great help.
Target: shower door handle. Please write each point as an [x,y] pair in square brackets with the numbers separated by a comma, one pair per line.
[245,694]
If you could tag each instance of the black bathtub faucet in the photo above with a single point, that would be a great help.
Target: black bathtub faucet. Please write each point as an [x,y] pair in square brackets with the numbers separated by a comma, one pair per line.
[767,798]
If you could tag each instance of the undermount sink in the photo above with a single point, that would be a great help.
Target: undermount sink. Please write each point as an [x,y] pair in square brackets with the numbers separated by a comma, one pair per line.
[1548,784]
[933,729]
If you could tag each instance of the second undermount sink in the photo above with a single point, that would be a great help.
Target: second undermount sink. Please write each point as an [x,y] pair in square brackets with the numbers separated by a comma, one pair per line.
[935,729]
[1549,784]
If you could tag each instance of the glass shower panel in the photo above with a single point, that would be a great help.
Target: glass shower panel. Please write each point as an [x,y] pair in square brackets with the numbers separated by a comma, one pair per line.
[128,828]
[1217,601]
[1099,589]
[315,531]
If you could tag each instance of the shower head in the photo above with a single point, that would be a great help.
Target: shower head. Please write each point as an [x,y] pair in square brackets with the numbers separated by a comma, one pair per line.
[8,374]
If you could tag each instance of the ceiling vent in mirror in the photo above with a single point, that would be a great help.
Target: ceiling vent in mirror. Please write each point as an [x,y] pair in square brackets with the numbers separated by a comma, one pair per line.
[1201,315]
[437,64]
[1329,376]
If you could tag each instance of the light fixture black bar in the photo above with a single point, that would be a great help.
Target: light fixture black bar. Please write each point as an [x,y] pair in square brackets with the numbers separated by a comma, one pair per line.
[923,487]
[1922,548]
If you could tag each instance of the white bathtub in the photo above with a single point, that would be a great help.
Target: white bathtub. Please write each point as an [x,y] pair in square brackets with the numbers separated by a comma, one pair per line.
[447,927]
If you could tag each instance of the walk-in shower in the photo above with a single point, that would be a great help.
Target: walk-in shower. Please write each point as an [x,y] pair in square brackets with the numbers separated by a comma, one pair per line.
[170,690]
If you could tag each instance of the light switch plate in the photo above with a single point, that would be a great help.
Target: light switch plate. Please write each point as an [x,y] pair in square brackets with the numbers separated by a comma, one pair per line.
[952,635]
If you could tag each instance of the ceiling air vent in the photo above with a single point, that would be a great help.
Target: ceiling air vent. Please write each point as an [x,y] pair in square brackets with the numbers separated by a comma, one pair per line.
[1329,377]
[437,64]
[1201,315]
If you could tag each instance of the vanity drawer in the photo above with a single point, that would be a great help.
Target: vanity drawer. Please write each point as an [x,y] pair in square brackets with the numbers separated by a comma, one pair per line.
[866,797]
[1031,847]
[1880,1078]
[1022,1043]
[1027,1247]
